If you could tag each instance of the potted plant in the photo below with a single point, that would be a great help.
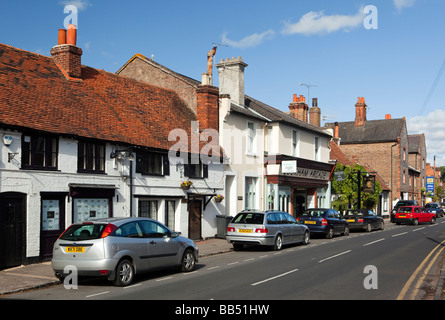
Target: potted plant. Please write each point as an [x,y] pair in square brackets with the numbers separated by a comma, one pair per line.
[186,185]
[219,198]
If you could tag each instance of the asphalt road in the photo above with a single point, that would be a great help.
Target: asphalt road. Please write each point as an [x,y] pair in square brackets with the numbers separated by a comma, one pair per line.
[361,266]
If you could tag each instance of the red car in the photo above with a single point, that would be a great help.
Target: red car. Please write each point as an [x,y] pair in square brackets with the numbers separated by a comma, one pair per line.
[414,215]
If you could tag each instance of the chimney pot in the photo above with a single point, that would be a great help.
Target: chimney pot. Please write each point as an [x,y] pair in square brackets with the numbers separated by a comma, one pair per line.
[387,117]
[71,35]
[62,37]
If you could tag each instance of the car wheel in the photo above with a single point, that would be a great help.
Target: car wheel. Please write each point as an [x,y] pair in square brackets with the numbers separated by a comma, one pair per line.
[188,261]
[415,222]
[124,273]
[433,220]
[382,227]
[330,233]
[346,231]
[278,243]
[306,238]
[368,227]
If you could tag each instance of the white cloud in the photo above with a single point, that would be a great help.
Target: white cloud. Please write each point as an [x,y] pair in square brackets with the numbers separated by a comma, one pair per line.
[432,126]
[79,4]
[319,23]
[401,4]
[249,41]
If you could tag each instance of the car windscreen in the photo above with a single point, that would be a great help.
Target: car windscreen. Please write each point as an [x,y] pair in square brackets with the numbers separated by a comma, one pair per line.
[249,218]
[78,232]
[354,213]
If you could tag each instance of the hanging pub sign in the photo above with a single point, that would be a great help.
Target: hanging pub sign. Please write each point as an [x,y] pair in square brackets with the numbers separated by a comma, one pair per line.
[369,184]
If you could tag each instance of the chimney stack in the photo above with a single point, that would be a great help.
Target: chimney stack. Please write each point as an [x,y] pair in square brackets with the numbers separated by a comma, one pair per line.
[315,113]
[231,79]
[66,54]
[298,108]
[360,112]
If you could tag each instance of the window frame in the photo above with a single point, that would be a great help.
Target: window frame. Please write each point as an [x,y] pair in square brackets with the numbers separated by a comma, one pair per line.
[30,152]
[90,153]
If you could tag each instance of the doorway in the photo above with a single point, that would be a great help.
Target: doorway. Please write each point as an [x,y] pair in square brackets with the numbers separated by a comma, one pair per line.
[195,216]
[12,229]
[53,223]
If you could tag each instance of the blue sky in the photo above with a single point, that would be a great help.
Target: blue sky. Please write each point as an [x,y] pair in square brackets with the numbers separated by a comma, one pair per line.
[397,67]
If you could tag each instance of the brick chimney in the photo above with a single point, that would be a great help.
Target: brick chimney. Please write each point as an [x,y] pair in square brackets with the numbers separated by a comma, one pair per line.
[231,79]
[66,54]
[207,111]
[315,113]
[360,112]
[298,108]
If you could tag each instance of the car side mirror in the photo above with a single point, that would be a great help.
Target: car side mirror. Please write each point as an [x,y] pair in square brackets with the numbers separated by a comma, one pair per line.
[175,234]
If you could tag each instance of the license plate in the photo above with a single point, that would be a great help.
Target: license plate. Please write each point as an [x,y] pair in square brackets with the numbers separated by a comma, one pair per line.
[402,216]
[75,249]
[245,230]
[310,222]
[350,220]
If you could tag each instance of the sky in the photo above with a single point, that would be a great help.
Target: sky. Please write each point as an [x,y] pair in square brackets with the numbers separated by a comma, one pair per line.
[391,52]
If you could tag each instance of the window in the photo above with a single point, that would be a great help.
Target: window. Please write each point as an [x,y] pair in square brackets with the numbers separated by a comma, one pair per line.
[317,148]
[91,157]
[129,230]
[39,152]
[170,206]
[148,209]
[152,163]
[251,138]
[294,143]
[250,192]
[195,168]
[152,229]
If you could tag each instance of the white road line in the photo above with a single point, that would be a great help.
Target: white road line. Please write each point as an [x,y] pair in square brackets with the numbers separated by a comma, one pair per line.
[278,276]
[211,268]
[399,234]
[418,229]
[369,243]
[232,263]
[250,259]
[334,256]
[97,294]
[163,279]
[134,285]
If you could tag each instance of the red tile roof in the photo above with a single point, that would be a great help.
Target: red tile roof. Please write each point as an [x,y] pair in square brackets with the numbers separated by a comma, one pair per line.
[35,94]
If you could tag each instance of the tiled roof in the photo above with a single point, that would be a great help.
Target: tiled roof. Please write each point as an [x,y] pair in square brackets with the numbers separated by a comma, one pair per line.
[34,94]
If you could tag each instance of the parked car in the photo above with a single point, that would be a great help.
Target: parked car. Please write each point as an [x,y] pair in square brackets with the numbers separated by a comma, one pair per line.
[119,248]
[324,221]
[363,219]
[435,207]
[270,228]
[402,203]
[413,215]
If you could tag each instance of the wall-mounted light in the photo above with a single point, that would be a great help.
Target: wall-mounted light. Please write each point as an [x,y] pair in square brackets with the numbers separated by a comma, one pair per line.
[122,154]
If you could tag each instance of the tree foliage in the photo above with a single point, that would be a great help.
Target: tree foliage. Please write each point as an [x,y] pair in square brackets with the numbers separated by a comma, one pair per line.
[346,191]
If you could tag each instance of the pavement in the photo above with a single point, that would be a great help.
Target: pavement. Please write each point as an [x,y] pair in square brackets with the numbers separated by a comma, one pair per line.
[39,275]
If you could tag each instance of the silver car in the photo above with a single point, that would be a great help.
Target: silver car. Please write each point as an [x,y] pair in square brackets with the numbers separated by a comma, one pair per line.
[270,228]
[119,248]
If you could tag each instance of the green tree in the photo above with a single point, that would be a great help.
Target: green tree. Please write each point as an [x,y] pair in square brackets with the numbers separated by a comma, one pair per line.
[347,191]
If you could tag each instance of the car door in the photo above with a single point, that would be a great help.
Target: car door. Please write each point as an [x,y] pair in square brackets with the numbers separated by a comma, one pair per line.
[285,227]
[163,250]
[296,229]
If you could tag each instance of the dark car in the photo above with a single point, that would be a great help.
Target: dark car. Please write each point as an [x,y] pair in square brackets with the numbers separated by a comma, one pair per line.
[435,207]
[324,221]
[402,203]
[362,219]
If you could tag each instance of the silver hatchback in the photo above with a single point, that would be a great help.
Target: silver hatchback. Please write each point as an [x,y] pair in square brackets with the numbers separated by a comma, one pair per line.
[270,228]
[119,248]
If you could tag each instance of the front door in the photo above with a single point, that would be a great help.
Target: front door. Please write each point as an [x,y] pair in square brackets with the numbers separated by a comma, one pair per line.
[12,229]
[195,220]
[53,223]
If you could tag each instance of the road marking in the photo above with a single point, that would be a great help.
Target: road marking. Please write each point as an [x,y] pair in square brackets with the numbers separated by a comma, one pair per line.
[135,285]
[163,279]
[263,256]
[418,229]
[250,259]
[236,262]
[414,275]
[368,244]
[215,267]
[334,256]
[97,294]
[399,234]
[273,278]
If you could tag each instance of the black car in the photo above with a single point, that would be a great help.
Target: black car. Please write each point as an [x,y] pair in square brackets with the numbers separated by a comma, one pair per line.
[324,221]
[435,207]
[364,220]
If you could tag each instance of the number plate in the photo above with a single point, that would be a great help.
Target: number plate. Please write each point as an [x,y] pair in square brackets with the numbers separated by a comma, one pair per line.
[75,249]
[245,230]
[310,222]
[350,220]
[402,216]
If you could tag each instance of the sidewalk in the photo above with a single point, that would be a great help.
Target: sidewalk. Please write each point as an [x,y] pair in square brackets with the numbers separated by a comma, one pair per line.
[40,275]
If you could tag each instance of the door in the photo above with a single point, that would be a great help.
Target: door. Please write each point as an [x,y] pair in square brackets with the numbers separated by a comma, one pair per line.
[195,215]
[52,224]
[297,230]
[12,229]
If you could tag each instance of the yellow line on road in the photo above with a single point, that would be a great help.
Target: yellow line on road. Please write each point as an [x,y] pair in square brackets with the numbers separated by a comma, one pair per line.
[415,274]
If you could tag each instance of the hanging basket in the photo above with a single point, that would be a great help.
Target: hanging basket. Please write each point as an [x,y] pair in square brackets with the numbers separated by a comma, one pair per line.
[219,198]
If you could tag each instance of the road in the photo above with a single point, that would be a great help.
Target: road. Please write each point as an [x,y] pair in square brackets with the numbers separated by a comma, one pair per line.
[324,269]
